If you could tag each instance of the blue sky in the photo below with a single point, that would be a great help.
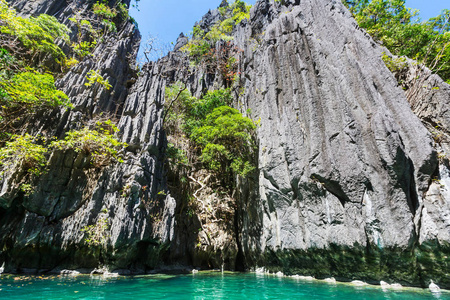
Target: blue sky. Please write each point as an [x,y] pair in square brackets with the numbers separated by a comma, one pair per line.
[428,8]
[166,19]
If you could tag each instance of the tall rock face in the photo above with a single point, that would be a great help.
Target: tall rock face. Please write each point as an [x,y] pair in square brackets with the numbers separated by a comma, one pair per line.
[429,97]
[345,166]
[350,183]
[116,208]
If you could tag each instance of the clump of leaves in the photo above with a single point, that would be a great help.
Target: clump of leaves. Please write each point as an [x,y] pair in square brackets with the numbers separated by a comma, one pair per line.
[395,65]
[222,133]
[200,108]
[196,49]
[100,143]
[236,12]
[175,156]
[29,153]
[201,43]
[27,189]
[220,31]
[24,152]
[23,90]
[107,15]
[226,137]
[187,112]
[103,10]
[399,29]
[177,104]
[222,58]
[87,37]
[94,77]
[33,90]
[122,11]
[97,234]
[240,11]
[26,93]
[36,33]
[83,25]
[109,26]
[69,63]
[9,64]
[84,48]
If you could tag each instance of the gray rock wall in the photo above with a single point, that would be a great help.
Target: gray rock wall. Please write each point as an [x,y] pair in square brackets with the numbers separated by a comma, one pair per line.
[429,97]
[47,230]
[344,164]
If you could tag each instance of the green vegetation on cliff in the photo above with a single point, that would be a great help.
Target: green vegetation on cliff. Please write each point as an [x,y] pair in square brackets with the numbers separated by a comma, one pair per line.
[98,142]
[201,44]
[399,29]
[222,135]
[26,86]
[30,49]
[37,35]
[24,152]
[226,140]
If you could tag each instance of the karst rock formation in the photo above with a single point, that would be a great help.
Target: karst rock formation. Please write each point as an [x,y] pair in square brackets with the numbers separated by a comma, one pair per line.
[351,181]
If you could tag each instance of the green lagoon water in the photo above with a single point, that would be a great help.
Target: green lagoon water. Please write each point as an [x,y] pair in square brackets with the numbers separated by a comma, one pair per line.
[196,286]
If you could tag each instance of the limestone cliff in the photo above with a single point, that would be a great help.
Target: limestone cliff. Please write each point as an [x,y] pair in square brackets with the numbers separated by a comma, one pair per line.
[45,230]
[350,183]
[345,165]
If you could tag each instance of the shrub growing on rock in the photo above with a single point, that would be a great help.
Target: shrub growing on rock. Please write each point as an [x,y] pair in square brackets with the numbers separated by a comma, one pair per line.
[399,29]
[100,143]
[226,137]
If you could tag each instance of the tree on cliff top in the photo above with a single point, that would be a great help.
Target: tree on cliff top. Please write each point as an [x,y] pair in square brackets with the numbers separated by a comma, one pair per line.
[399,29]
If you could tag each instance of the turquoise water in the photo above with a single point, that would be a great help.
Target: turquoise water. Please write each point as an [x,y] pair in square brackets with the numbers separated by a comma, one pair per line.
[197,286]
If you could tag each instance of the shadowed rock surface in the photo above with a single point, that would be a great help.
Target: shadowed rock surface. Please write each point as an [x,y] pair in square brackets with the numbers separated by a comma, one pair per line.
[45,231]
[350,182]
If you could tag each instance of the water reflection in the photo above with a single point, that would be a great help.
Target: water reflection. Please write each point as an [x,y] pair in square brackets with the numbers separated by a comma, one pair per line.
[203,285]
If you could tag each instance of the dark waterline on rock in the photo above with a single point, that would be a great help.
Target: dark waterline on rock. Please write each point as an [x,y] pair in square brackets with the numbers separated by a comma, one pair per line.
[207,285]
